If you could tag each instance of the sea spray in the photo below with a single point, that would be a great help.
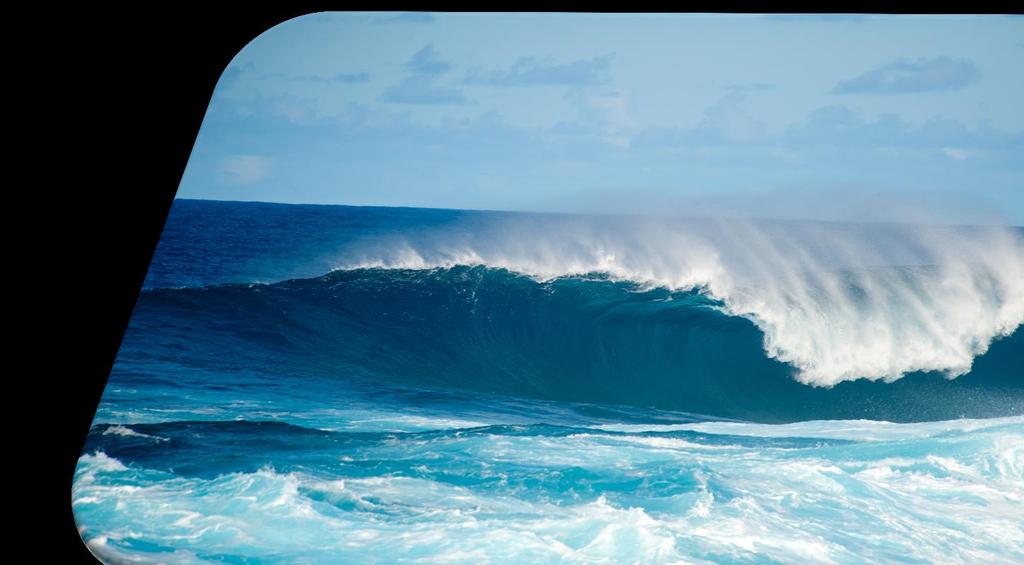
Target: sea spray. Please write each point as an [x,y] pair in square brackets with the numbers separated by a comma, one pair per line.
[839,302]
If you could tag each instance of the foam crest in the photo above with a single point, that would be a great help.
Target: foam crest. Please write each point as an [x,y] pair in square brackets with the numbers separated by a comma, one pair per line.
[125,431]
[838,302]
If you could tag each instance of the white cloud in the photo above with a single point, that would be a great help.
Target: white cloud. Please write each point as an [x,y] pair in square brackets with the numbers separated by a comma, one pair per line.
[618,124]
[610,111]
[528,71]
[244,169]
[732,121]
[903,76]
[954,153]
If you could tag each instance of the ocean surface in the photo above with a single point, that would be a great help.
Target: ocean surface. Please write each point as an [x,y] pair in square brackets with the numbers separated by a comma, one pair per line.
[334,384]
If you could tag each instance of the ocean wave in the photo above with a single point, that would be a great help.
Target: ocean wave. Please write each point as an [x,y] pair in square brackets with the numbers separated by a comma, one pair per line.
[590,339]
[837,302]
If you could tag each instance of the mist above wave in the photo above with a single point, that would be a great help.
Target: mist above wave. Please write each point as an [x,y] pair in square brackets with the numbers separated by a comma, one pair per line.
[838,302]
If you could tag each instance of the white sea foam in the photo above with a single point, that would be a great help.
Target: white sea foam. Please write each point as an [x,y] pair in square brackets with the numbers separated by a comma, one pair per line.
[837,302]
[955,498]
[128,432]
[857,430]
[655,442]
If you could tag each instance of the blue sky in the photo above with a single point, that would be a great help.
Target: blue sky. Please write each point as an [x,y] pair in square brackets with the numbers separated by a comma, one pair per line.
[832,117]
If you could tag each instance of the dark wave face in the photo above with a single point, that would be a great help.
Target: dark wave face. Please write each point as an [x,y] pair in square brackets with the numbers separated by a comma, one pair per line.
[574,339]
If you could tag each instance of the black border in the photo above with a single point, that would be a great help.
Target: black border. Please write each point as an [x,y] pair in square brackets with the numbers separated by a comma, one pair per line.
[129,106]
[130,103]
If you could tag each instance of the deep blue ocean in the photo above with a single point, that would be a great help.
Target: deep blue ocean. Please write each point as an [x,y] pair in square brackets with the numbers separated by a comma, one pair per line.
[335,384]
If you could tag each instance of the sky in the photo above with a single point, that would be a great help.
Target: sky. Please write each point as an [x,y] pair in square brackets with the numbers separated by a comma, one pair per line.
[839,117]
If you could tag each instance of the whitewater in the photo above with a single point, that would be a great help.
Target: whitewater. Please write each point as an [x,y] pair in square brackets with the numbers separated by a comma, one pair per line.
[324,384]
[742,493]
[837,302]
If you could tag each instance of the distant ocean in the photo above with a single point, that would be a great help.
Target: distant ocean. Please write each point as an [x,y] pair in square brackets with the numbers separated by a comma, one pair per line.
[325,384]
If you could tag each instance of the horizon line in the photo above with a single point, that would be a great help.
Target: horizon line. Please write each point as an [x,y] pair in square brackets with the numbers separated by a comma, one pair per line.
[608,214]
